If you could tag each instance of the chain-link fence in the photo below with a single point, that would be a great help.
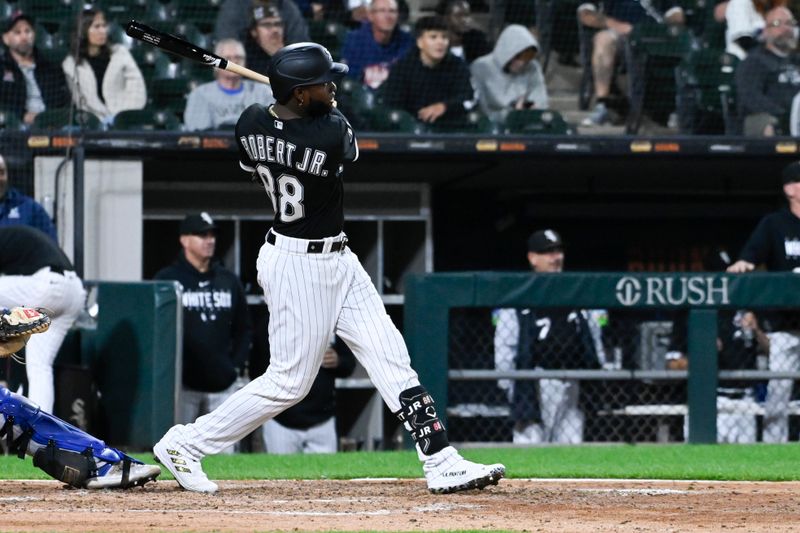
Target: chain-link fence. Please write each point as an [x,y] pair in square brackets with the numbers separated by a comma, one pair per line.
[550,374]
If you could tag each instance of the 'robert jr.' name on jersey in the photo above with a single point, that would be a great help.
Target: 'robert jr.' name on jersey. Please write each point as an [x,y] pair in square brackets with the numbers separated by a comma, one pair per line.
[266,148]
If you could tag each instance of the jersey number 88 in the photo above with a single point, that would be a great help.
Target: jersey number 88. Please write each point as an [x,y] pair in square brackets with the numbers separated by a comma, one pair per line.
[287,197]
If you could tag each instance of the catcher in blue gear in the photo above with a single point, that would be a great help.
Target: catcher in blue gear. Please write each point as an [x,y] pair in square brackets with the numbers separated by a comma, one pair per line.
[63,451]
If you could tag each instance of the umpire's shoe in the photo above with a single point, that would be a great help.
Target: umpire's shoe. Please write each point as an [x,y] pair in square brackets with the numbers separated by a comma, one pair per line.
[446,471]
[187,470]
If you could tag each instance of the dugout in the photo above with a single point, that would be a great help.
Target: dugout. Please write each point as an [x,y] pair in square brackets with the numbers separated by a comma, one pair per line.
[419,204]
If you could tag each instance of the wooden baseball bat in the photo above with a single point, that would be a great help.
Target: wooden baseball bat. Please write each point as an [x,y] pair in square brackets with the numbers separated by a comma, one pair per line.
[183,48]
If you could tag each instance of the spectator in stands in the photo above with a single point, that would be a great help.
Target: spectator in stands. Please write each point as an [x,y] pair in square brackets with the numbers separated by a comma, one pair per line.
[547,410]
[774,244]
[219,103]
[103,78]
[265,37]
[745,23]
[769,78]
[358,10]
[17,209]
[30,83]
[233,20]
[466,41]
[217,332]
[510,77]
[429,82]
[740,341]
[310,426]
[372,49]
[614,23]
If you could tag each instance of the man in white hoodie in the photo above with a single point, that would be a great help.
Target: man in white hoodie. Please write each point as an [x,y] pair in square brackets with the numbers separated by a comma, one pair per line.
[510,77]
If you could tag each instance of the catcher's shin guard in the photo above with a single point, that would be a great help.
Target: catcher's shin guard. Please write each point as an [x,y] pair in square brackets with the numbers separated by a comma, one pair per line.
[418,415]
[60,449]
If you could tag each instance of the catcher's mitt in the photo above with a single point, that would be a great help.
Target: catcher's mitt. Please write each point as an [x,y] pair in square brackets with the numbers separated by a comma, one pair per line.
[16,327]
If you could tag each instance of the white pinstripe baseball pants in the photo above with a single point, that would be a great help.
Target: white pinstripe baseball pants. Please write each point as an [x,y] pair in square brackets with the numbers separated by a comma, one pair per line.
[63,296]
[309,295]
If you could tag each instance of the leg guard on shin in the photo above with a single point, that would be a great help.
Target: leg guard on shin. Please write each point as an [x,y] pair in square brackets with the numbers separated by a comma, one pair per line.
[60,449]
[418,415]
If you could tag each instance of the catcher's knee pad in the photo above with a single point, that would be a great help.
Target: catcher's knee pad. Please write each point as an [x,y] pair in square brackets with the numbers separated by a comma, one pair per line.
[60,449]
[418,415]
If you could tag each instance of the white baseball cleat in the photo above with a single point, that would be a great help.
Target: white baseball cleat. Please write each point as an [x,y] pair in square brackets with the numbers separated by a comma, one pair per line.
[446,471]
[187,471]
[112,476]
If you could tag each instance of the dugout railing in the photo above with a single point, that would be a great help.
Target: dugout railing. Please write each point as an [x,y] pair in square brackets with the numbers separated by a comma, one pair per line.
[437,332]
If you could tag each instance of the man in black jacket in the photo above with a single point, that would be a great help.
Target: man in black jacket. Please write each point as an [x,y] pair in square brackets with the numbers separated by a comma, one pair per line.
[216,325]
[430,82]
[30,84]
[768,79]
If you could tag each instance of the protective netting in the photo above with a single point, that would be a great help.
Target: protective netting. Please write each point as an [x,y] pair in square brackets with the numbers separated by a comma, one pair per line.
[592,401]
[513,66]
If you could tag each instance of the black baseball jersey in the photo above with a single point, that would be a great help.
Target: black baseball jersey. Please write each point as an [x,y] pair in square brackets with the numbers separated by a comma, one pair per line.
[555,339]
[300,163]
[775,242]
[24,250]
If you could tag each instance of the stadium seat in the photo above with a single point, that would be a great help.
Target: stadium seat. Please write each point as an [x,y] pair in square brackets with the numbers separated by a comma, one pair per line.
[202,14]
[117,35]
[52,14]
[707,92]
[473,122]
[536,122]
[121,11]
[652,52]
[190,32]
[53,45]
[151,60]
[59,119]
[146,119]
[6,9]
[9,120]
[160,15]
[355,101]
[169,94]
[395,121]
[329,34]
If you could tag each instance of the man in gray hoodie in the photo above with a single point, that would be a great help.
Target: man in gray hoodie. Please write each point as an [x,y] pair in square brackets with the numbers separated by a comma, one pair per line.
[510,77]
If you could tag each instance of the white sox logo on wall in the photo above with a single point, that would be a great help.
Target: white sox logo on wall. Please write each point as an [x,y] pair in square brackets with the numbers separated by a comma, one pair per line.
[667,291]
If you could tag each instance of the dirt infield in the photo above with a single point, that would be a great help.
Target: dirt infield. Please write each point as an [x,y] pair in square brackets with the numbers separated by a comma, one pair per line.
[405,505]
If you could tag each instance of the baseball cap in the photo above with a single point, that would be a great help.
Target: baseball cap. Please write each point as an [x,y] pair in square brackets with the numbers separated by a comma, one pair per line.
[263,11]
[545,240]
[15,17]
[197,224]
[791,173]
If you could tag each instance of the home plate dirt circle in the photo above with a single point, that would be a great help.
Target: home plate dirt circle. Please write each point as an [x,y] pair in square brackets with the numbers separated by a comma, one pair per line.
[405,505]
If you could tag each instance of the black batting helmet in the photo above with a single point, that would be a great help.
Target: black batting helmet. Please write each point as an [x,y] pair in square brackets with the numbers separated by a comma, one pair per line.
[301,64]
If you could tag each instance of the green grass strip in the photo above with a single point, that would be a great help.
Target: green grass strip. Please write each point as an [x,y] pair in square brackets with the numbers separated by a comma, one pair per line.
[714,462]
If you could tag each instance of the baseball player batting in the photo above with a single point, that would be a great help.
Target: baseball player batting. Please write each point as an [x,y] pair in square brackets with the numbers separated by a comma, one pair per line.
[313,284]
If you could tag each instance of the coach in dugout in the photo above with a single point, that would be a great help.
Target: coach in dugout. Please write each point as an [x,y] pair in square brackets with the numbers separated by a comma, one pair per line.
[216,326]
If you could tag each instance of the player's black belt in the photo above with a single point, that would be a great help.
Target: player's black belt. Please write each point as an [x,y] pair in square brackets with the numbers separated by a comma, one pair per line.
[314,247]
[57,269]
